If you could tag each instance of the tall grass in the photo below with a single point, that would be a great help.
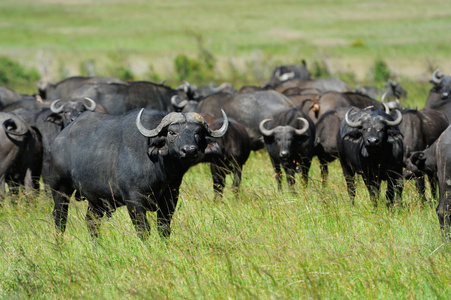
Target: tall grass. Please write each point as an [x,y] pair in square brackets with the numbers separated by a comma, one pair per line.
[263,244]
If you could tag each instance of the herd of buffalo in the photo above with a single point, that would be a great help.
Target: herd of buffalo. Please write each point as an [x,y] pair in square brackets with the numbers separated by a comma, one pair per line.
[118,143]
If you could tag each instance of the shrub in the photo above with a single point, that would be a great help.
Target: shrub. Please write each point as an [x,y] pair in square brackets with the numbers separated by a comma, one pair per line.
[12,72]
[381,72]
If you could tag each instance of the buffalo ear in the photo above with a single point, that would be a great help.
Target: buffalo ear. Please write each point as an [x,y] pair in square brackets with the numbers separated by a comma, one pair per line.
[55,118]
[213,147]
[157,146]
[394,135]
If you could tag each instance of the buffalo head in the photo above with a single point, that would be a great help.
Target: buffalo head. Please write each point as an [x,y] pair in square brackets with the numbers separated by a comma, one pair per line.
[181,135]
[442,84]
[372,129]
[65,112]
[284,136]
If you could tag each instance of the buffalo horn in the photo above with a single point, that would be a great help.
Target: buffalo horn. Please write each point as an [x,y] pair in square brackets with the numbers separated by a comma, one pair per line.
[55,109]
[397,121]
[176,104]
[351,123]
[93,105]
[436,77]
[263,130]
[20,128]
[303,129]
[223,86]
[386,108]
[166,121]
[195,117]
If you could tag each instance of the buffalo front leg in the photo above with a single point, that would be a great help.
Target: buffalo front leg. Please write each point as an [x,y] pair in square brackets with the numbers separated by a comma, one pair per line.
[93,220]
[138,216]
[166,209]
[61,209]
[395,187]
[218,173]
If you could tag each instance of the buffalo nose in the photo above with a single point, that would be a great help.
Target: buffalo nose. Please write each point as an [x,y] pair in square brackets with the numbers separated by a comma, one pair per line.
[189,150]
[372,140]
[284,154]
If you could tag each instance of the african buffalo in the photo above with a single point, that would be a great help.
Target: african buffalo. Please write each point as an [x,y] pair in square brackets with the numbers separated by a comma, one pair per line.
[443,157]
[64,88]
[371,144]
[137,159]
[441,89]
[8,96]
[420,128]
[322,84]
[20,154]
[119,98]
[289,141]
[287,72]
[233,153]
[421,163]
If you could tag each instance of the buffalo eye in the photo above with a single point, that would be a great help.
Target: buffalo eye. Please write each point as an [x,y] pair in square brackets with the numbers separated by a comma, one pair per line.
[170,132]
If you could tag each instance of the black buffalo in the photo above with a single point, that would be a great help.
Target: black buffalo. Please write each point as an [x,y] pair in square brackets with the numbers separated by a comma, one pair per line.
[20,154]
[64,88]
[234,150]
[289,141]
[119,98]
[443,157]
[287,72]
[441,89]
[420,128]
[370,144]
[326,147]
[423,163]
[8,96]
[137,160]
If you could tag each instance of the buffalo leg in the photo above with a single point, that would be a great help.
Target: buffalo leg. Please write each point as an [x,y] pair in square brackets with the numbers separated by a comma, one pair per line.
[373,187]
[305,168]
[167,206]
[218,173]
[324,171]
[237,179]
[433,180]
[291,180]
[420,184]
[61,209]
[278,171]
[137,214]
[93,219]
[394,190]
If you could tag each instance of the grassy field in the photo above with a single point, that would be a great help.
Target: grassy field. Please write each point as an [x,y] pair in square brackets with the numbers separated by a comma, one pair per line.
[57,36]
[265,244]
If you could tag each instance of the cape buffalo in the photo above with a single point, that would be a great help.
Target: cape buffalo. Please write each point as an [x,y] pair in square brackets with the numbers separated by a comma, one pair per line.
[137,160]
[420,128]
[289,138]
[287,72]
[65,88]
[370,144]
[443,157]
[441,89]
[20,154]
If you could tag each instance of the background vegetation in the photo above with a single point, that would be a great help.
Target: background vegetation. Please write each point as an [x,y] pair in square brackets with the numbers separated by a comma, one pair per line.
[264,244]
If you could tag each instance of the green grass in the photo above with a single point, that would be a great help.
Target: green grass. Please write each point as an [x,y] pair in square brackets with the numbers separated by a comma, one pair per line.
[409,35]
[265,244]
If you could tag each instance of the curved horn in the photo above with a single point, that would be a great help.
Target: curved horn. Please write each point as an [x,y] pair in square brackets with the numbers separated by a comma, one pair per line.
[55,109]
[386,108]
[351,123]
[436,77]
[383,97]
[263,130]
[179,105]
[197,118]
[166,121]
[93,105]
[303,129]
[19,126]
[397,121]
[219,88]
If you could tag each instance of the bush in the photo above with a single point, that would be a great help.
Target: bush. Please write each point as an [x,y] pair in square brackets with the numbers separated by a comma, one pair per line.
[12,72]
[381,71]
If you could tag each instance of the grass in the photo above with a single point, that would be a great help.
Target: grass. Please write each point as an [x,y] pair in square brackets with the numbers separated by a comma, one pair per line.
[51,35]
[265,244]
